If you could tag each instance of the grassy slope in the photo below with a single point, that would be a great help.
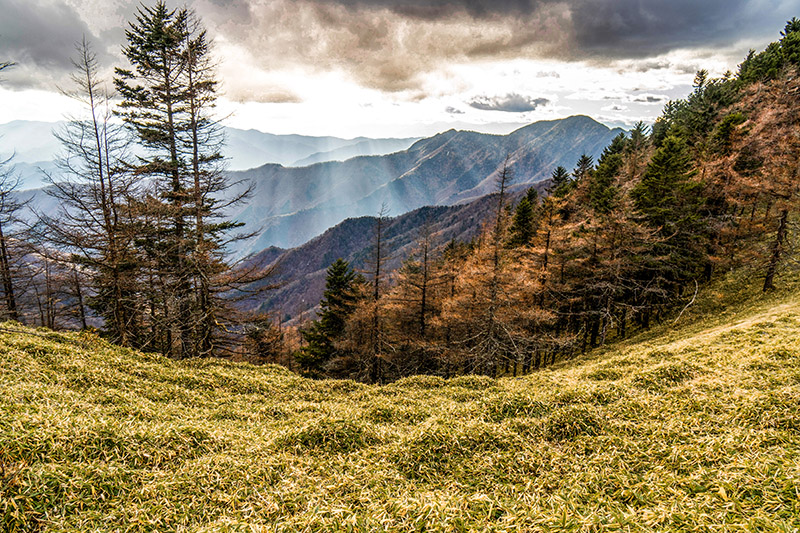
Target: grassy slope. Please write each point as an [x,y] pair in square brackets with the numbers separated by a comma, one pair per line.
[692,428]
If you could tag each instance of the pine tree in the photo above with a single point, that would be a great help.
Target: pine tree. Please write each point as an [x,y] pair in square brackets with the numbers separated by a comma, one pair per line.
[669,200]
[603,192]
[154,106]
[209,184]
[532,196]
[523,224]
[560,182]
[583,168]
[790,42]
[168,96]
[665,184]
[338,302]
[635,149]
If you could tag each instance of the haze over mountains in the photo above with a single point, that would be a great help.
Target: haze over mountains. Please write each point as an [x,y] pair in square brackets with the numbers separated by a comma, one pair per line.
[35,147]
[293,205]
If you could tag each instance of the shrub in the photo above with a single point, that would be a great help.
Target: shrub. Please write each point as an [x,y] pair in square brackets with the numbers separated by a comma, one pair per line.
[666,375]
[436,449]
[513,406]
[571,422]
[329,435]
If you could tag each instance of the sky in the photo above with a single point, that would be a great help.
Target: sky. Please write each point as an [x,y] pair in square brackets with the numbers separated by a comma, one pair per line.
[402,68]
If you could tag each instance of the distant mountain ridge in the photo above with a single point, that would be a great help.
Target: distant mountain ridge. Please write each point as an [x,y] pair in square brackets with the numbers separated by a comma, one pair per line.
[34,146]
[360,148]
[293,205]
[252,148]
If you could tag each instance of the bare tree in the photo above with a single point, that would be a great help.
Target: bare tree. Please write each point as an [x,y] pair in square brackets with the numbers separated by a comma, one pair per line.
[377,263]
[9,206]
[95,224]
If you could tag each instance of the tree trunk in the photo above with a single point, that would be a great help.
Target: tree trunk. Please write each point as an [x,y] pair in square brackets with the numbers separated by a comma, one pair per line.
[777,251]
[5,274]
[79,296]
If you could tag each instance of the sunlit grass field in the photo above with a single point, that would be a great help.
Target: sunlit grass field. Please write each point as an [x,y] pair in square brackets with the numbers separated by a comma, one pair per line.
[693,426]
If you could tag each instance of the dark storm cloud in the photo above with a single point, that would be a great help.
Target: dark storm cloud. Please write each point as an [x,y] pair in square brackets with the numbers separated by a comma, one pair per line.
[390,44]
[636,28]
[650,99]
[40,36]
[510,103]
[615,28]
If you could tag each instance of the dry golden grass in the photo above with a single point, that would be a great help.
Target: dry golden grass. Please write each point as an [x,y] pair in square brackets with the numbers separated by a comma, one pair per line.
[694,427]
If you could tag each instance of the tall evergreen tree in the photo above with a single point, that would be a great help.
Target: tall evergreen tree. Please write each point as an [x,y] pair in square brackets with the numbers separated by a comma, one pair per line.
[523,224]
[635,149]
[583,168]
[208,183]
[168,96]
[154,106]
[532,196]
[666,185]
[790,42]
[603,192]
[338,302]
[560,182]
[669,200]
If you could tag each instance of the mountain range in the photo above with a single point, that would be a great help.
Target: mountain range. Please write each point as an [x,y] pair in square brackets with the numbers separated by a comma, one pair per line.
[34,147]
[290,206]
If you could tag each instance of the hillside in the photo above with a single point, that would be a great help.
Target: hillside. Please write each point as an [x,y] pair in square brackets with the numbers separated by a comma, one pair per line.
[290,206]
[688,427]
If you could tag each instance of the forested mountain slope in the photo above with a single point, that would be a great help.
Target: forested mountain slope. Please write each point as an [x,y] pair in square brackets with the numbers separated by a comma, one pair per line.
[692,425]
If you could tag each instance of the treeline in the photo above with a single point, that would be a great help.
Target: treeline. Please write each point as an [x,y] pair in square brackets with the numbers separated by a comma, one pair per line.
[615,245]
[139,234]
